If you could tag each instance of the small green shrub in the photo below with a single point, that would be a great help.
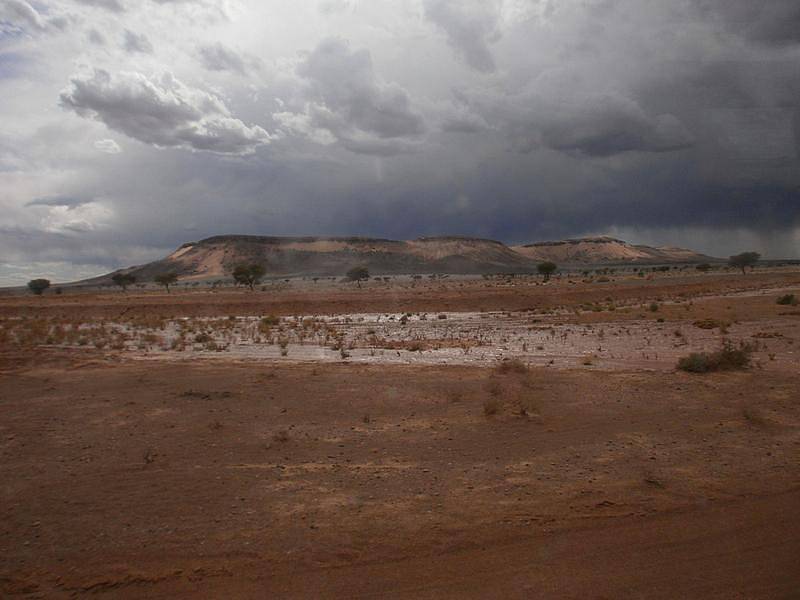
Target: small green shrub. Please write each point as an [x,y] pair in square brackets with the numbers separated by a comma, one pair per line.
[788,300]
[266,324]
[727,358]
[710,324]
[696,362]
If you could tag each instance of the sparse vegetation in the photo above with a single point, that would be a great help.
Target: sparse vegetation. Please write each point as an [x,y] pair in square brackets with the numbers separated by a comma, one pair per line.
[491,407]
[710,324]
[728,358]
[513,365]
[788,300]
[528,405]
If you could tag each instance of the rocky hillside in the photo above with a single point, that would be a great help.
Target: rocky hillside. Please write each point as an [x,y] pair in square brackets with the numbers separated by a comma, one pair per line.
[606,250]
[215,257]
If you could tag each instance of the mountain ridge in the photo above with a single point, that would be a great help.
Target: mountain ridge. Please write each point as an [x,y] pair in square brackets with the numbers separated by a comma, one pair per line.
[290,256]
[606,249]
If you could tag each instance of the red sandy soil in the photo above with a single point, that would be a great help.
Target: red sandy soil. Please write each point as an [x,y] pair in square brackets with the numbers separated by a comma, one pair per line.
[142,481]
[225,479]
[300,297]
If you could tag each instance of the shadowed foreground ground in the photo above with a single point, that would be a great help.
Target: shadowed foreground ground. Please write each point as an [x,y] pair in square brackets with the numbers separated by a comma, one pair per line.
[131,479]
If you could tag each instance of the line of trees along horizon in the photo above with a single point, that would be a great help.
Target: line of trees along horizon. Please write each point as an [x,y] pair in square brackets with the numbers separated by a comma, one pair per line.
[251,274]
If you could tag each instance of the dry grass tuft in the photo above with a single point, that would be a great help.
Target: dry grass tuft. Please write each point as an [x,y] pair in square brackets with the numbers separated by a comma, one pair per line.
[512,365]
[491,407]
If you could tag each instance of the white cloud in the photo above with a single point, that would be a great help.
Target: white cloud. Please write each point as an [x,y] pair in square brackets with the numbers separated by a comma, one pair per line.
[112,5]
[108,146]
[470,26]
[81,218]
[136,42]
[163,112]
[21,13]
[218,57]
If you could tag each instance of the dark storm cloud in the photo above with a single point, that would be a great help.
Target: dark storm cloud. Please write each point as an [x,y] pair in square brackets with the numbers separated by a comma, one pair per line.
[609,125]
[463,123]
[343,81]
[770,22]
[345,98]
[469,26]
[668,197]
[574,117]
[163,113]
[595,125]
[31,245]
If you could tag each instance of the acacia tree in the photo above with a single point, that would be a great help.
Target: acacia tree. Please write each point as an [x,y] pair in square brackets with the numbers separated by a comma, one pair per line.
[744,260]
[249,275]
[547,269]
[358,274]
[123,280]
[38,286]
[166,279]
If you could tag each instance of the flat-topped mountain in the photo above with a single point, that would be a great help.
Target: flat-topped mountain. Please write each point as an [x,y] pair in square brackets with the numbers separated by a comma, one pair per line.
[216,257]
[603,249]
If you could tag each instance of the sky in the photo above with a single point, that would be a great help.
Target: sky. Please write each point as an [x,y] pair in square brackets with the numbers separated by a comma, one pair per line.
[128,127]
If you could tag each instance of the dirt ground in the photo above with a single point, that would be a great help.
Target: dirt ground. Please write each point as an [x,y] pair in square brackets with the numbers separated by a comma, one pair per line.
[133,476]
[300,297]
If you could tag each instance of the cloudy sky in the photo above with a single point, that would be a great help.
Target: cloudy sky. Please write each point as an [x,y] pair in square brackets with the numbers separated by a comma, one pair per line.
[130,126]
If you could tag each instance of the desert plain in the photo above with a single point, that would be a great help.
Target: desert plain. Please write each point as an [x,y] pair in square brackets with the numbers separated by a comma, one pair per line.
[407,437]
